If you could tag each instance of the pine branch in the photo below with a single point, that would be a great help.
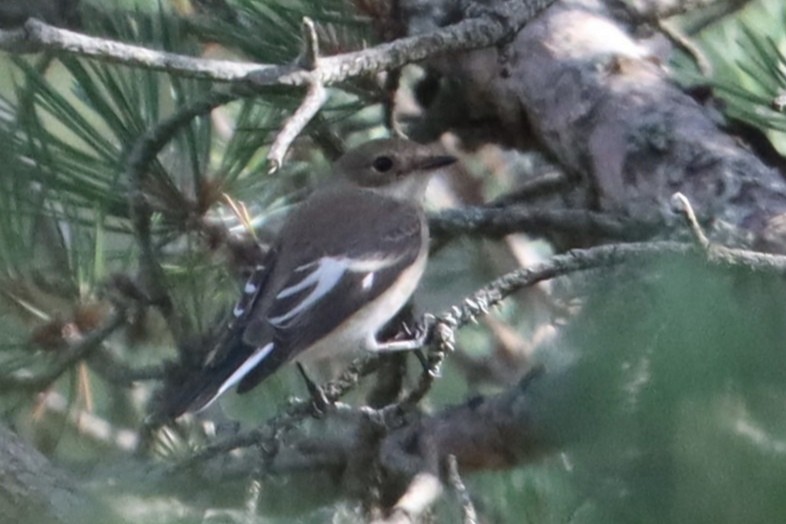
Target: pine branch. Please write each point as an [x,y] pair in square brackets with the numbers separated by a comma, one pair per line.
[475,33]
[73,354]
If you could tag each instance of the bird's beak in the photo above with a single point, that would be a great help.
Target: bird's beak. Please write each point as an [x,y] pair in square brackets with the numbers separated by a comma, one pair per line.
[435,162]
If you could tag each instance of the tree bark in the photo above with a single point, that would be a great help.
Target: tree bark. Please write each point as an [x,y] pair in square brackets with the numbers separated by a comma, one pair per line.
[605,107]
[32,490]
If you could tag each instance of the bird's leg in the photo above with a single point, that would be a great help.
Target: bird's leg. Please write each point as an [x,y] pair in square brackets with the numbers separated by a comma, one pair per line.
[419,337]
[319,402]
[423,360]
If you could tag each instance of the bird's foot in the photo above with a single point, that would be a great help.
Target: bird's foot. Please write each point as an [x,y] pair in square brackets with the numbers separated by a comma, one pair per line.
[420,334]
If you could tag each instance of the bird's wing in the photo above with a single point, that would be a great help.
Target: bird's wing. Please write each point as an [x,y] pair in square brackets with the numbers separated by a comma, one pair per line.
[332,280]
[306,289]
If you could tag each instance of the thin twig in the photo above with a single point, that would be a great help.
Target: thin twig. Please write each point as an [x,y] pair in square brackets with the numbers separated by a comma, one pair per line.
[312,103]
[310,55]
[390,89]
[467,507]
[680,200]
[473,33]
[500,221]
[680,39]
[469,34]
[38,36]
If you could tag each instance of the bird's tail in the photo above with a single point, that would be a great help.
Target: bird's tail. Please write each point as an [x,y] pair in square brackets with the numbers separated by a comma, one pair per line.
[192,392]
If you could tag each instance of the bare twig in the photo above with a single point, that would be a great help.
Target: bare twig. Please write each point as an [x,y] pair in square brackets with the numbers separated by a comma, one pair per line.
[473,33]
[468,34]
[390,88]
[468,508]
[496,221]
[38,36]
[312,103]
[678,199]
[311,53]
[678,37]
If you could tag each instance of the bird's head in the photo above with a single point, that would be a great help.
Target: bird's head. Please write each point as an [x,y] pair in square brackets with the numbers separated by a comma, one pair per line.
[395,167]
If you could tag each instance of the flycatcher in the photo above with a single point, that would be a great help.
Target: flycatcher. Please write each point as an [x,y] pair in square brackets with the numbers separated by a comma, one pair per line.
[345,262]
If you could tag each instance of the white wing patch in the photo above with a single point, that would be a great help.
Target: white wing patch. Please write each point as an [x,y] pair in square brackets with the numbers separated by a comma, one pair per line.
[249,291]
[238,310]
[367,281]
[324,278]
[325,274]
[363,265]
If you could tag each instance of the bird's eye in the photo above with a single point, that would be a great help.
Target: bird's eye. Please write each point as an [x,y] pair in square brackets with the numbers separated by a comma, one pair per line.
[382,163]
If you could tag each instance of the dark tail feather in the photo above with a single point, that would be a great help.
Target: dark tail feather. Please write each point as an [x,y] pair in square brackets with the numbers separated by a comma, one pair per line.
[193,393]
[192,390]
[189,396]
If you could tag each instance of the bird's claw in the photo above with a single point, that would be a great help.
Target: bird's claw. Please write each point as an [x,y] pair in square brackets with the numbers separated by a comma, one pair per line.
[319,401]
[423,330]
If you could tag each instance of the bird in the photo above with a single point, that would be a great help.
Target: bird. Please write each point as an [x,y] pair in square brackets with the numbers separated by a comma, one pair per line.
[342,266]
